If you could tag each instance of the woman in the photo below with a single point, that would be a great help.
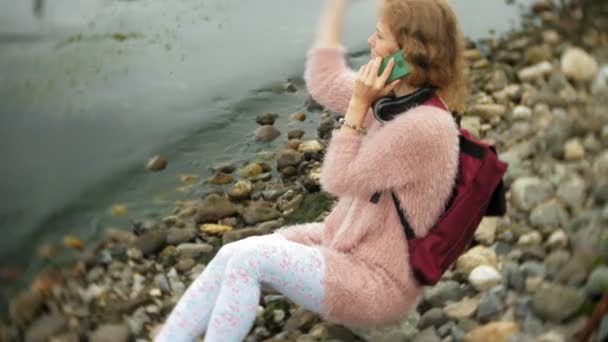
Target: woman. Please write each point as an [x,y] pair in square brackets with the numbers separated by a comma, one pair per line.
[353,267]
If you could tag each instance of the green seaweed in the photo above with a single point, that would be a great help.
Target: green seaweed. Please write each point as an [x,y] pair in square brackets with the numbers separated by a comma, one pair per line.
[312,206]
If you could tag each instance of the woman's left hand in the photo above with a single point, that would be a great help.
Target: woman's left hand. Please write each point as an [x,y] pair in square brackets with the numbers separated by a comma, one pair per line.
[369,87]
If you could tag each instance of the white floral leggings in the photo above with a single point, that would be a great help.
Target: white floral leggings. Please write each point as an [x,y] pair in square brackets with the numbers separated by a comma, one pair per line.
[222,302]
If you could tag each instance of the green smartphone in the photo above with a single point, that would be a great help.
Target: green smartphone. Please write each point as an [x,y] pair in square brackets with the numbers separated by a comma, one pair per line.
[400,69]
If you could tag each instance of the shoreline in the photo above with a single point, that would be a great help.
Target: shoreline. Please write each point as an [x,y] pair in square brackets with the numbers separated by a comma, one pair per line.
[547,119]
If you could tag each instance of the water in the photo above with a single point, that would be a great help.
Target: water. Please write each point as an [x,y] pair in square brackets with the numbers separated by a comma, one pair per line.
[91,89]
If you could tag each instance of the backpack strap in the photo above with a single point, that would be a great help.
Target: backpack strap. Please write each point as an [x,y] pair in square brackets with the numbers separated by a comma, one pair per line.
[467,147]
[409,232]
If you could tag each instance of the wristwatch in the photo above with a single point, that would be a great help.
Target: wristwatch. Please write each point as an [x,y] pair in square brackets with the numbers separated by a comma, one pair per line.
[342,122]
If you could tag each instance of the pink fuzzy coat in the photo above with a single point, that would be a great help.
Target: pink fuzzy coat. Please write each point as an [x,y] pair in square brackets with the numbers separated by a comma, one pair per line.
[368,279]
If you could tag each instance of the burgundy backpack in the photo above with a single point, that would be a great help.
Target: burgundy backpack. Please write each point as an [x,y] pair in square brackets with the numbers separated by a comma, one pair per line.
[478,192]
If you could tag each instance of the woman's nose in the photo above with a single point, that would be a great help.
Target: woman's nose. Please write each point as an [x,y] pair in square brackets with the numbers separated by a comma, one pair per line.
[370,41]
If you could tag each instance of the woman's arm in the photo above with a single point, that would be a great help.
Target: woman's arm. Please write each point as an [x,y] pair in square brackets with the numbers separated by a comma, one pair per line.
[329,31]
[328,78]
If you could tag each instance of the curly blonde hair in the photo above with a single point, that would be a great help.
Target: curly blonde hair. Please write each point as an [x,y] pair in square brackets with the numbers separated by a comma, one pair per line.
[431,38]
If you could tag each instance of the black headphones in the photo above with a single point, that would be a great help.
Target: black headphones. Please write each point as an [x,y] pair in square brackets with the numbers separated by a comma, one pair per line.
[387,108]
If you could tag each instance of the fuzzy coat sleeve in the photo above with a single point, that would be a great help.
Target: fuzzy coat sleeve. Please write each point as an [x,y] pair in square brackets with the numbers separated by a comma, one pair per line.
[398,153]
[328,79]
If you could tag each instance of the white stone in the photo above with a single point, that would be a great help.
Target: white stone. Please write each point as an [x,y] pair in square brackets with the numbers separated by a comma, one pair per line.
[522,113]
[485,277]
[462,309]
[476,256]
[530,239]
[578,65]
[558,239]
[535,71]
[574,150]
[486,232]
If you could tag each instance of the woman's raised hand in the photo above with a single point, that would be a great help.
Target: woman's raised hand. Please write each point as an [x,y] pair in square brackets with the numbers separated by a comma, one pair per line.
[369,86]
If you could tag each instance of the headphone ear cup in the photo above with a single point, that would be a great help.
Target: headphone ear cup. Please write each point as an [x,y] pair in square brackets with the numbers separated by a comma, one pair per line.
[386,108]
[382,109]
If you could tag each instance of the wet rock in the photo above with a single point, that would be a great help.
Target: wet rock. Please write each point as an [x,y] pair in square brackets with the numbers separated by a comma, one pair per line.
[573,192]
[405,330]
[433,317]
[156,163]
[224,168]
[597,283]
[185,265]
[120,235]
[532,268]
[513,276]
[557,303]
[215,228]
[260,212]
[46,251]
[239,234]
[557,240]
[111,333]
[539,6]
[45,327]
[266,133]
[472,124]
[522,113]
[577,269]
[288,158]
[474,257]
[295,134]
[578,65]
[497,81]
[312,206]
[472,55]
[142,226]
[298,116]
[194,250]
[119,210]
[549,214]
[465,308]
[535,71]
[264,177]
[312,105]
[427,335]
[555,261]
[251,170]
[73,242]
[530,239]
[574,150]
[486,232]
[311,147]
[221,179]
[241,190]
[488,111]
[551,37]
[176,236]
[151,241]
[289,87]
[484,277]
[528,192]
[443,292]
[538,54]
[214,207]
[490,306]
[495,331]
[266,119]
[302,320]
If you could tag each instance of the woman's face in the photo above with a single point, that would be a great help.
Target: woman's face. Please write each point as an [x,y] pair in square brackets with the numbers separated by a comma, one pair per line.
[382,42]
